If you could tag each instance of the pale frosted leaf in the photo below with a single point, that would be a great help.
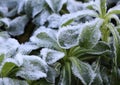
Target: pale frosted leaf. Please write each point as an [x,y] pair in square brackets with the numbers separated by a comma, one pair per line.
[8,46]
[3,10]
[5,22]
[45,37]
[51,75]
[33,68]
[17,25]
[98,79]
[69,36]
[32,8]
[4,35]
[51,56]
[21,4]
[53,20]
[10,81]
[74,6]
[79,14]
[27,48]
[41,18]
[83,71]
[9,7]
[91,34]
[55,5]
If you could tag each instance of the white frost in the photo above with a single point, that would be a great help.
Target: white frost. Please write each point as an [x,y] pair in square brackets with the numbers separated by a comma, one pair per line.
[51,56]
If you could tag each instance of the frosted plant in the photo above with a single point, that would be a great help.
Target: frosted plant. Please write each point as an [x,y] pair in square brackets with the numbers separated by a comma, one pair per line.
[59,42]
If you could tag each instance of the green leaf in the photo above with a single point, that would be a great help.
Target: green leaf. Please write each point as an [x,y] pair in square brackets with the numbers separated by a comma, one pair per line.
[103,7]
[56,5]
[115,17]
[65,76]
[7,68]
[1,58]
[33,68]
[83,71]
[100,48]
[116,43]
[91,34]
[69,36]
[10,81]
[41,82]
[51,56]
[114,10]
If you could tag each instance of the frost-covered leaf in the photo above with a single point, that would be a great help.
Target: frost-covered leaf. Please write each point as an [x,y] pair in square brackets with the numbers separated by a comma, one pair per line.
[74,6]
[54,20]
[83,71]
[97,5]
[8,46]
[41,18]
[90,34]
[33,68]
[98,79]
[114,10]
[17,25]
[65,77]
[27,48]
[56,5]
[45,37]
[69,36]
[51,75]
[3,11]
[115,17]
[10,81]
[100,48]
[116,42]
[79,14]
[32,8]
[51,56]
[10,7]
[5,22]
[21,5]
[4,35]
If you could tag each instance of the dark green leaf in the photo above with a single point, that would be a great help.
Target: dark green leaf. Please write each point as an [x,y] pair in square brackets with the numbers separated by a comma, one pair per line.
[65,76]
[83,71]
